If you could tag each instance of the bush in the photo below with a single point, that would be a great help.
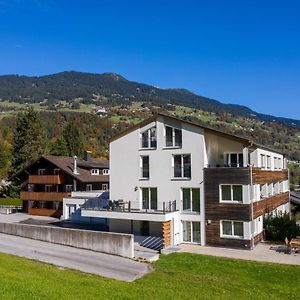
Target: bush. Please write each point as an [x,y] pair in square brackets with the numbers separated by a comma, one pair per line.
[279,227]
[11,201]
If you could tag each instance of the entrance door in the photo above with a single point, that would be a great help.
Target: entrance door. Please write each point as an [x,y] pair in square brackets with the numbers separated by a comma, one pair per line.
[145,228]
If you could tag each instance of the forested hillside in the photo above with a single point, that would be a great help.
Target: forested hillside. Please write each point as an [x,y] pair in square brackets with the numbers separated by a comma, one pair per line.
[113,89]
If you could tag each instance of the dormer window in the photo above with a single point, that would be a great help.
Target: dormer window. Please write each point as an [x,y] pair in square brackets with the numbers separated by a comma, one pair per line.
[148,138]
[95,172]
[173,137]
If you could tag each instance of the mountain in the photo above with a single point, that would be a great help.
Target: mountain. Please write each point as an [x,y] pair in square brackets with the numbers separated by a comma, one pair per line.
[112,87]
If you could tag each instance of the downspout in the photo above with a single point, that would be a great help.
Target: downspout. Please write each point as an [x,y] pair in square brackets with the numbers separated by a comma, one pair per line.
[251,184]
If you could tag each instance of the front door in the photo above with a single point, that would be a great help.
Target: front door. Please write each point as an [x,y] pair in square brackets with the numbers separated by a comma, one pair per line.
[145,228]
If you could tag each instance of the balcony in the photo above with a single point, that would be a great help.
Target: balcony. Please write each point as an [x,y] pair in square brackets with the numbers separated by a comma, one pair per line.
[131,210]
[45,179]
[43,196]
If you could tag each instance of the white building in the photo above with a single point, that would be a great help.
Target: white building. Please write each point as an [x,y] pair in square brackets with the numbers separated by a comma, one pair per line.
[188,183]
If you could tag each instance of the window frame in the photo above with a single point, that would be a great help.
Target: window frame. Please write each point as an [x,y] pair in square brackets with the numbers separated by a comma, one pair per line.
[190,210]
[41,172]
[239,164]
[142,177]
[231,194]
[182,177]
[90,187]
[173,129]
[232,236]
[95,172]
[149,198]
[149,138]
[104,187]
[105,171]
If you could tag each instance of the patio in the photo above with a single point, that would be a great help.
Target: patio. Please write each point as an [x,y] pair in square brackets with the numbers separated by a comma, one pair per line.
[264,252]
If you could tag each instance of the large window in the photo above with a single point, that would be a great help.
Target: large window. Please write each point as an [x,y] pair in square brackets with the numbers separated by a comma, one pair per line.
[234,160]
[268,162]
[182,166]
[191,232]
[173,137]
[148,138]
[145,167]
[149,198]
[191,199]
[232,229]
[231,192]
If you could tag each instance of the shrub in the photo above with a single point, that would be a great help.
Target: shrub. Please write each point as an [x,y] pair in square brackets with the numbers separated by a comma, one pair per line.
[281,226]
[11,201]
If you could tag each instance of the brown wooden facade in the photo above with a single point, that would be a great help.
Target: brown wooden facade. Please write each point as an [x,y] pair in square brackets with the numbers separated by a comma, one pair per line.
[216,211]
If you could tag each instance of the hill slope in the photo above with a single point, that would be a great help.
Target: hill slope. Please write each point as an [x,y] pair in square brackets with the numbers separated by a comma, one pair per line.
[112,87]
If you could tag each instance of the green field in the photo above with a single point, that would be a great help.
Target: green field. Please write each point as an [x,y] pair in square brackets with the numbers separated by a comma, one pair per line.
[176,276]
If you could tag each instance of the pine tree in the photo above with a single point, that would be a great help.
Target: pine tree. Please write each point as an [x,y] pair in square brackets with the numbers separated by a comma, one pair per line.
[73,139]
[29,139]
[59,148]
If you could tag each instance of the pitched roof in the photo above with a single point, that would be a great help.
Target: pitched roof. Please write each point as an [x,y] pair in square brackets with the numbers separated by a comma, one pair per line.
[83,167]
[206,129]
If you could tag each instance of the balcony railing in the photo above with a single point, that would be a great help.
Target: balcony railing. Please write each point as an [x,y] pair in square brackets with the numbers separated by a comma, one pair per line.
[43,196]
[45,179]
[130,206]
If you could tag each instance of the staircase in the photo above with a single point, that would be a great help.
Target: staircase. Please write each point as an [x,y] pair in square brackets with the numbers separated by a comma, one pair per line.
[152,242]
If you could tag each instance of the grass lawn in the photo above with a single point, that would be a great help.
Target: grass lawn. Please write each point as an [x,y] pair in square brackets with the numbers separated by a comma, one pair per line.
[177,276]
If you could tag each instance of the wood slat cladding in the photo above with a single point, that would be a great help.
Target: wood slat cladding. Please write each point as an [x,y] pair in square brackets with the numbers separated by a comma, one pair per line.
[46,179]
[260,176]
[166,228]
[214,210]
[267,205]
[43,196]
[259,237]
[213,238]
[45,212]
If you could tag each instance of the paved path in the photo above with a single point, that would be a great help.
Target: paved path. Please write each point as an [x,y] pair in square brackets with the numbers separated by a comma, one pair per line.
[262,252]
[68,257]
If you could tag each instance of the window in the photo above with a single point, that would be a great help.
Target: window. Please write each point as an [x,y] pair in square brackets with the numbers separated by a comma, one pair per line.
[275,163]
[231,192]
[182,166]
[268,162]
[48,188]
[41,171]
[145,167]
[234,160]
[104,186]
[279,163]
[89,187]
[191,199]
[94,171]
[56,172]
[69,188]
[56,205]
[191,232]
[232,229]
[173,137]
[105,172]
[148,138]
[149,198]
[262,161]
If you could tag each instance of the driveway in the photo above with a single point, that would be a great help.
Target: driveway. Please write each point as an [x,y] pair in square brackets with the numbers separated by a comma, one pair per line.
[68,257]
[262,252]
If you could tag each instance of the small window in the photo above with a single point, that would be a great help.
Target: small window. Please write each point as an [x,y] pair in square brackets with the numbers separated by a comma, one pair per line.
[56,171]
[232,229]
[262,161]
[94,171]
[268,162]
[48,188]
[234,160]
[279,163]
[89,187]
[182,166]
[148,138]
[145,167]
[173,137]
[104,186]
[41,171]
[231,192]
[105,172]
[69,188]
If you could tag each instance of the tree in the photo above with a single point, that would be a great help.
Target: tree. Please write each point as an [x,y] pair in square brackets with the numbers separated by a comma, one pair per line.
[29,139]
[73,139]
[60,148]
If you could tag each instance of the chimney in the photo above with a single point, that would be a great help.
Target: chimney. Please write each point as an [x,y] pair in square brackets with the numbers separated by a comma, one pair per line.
[75,165]
[87,155]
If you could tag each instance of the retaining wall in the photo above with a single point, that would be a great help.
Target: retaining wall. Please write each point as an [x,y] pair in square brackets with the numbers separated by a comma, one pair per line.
[106,242]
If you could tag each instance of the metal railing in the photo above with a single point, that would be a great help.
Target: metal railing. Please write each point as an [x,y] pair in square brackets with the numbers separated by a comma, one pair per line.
[130,206]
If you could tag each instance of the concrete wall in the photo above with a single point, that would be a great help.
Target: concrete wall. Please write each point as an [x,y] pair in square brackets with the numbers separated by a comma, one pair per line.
[111,243]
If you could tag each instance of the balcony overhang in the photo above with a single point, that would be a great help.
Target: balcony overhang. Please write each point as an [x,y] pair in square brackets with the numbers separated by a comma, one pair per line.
[139,216]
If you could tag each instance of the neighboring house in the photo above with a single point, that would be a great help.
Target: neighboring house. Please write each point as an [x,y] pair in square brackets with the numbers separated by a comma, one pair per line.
[51,178]
[189,183]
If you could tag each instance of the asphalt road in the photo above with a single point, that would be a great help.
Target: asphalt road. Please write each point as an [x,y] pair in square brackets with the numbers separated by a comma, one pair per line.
[68,257]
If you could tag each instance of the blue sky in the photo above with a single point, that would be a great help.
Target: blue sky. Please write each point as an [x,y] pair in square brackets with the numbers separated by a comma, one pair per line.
[245,52]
